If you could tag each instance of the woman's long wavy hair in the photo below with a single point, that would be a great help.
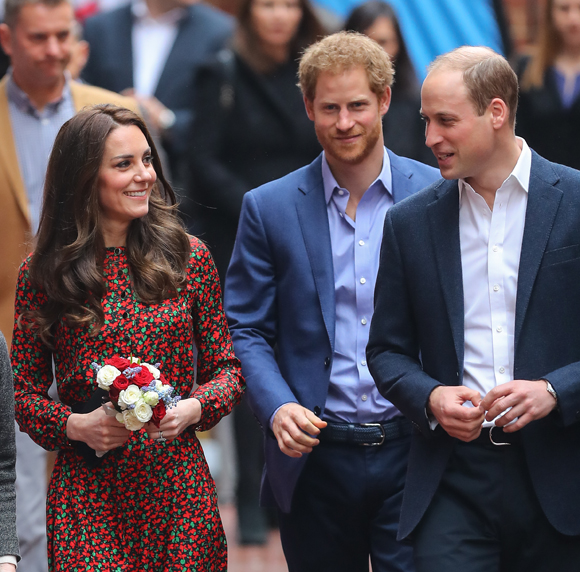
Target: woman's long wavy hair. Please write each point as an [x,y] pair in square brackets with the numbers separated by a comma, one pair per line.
[548,47]
[67,263]
[247,43]
[362,18]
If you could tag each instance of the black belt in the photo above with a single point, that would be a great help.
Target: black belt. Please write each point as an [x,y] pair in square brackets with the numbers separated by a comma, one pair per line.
[366,434]
[495,436]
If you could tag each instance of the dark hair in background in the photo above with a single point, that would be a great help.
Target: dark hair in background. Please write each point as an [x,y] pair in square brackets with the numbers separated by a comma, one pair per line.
[247,44]
[67,263]
[362,18]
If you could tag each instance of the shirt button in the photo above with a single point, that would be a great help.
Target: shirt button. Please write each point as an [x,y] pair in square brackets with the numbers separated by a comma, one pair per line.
[361,242]
[127,337]
[363,280]
[123,295]
[364,397]
[364,321]
[363,362]
[495,248]
[495,287]
[117,251]
[502,369]
[341,192]
[499,329]
[125,315]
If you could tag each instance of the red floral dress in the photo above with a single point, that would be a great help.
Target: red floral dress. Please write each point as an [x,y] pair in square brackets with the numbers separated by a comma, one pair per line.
[148,505]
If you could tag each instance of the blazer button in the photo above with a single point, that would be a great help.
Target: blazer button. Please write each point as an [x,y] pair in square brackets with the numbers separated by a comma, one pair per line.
[316,410]
[326,361]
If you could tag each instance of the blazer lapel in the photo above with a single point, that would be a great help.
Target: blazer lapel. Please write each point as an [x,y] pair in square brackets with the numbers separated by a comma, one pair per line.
[8,155]
[543,202]
[313,218]
[444,226]
[401,175]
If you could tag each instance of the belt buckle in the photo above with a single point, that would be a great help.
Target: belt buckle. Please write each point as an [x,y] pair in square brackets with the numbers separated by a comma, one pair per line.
[493,442]
[382,434]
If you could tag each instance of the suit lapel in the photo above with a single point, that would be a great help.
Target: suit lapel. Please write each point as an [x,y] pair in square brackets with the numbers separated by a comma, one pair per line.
[313,218]
[444,226]
[543,203]
[8,155]
[401,175]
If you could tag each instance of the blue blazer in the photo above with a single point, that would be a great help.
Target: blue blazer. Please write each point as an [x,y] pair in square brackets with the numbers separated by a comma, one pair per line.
[201,33]
[416,337]
[279,299]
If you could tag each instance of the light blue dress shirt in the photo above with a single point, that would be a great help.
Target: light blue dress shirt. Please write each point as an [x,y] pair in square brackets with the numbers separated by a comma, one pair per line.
[34,134]
[352,394]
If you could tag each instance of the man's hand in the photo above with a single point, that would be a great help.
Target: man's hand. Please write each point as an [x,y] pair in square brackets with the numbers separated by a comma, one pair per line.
[293,426]
[5,567]
[446,404]
[528,400]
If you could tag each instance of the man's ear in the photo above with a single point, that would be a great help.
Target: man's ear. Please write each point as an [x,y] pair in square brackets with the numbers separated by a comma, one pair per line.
[499,112]
[385,101]
[6,39]
[309,108]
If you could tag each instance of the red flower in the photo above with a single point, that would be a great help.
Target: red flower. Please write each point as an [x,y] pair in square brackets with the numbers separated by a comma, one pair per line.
[143,378]
[158,413]
[117,361]
[114,393]
[120,383]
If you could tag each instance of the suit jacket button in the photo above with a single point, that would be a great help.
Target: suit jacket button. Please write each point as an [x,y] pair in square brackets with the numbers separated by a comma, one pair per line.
[326,361]
[317,410]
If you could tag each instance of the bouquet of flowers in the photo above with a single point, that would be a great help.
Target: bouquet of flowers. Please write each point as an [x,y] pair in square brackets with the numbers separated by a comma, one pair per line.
[138,391]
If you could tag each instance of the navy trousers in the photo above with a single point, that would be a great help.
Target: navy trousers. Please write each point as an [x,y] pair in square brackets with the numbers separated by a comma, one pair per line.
[346,509]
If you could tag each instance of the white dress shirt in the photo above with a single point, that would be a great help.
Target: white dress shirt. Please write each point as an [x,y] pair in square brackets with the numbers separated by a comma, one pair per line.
[152,40]
[491,244]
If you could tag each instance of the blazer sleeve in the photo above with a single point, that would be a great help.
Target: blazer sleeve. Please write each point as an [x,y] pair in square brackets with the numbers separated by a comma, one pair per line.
[393,353]
[8,538]
[250,302]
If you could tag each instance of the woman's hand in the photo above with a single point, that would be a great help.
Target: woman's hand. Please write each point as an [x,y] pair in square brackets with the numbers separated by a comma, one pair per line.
[177,419]
[98,430]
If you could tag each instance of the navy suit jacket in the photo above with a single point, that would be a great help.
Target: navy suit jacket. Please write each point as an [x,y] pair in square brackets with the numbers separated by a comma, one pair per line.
[279,299]
[202,32]
[416,338]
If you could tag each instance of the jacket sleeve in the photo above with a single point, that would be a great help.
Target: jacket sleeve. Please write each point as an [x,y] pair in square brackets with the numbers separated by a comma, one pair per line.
[393,353]
[251,301]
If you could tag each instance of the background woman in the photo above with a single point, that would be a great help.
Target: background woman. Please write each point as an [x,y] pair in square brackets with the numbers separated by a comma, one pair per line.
[403,129]
[114,274]
[549,109]
[250,128]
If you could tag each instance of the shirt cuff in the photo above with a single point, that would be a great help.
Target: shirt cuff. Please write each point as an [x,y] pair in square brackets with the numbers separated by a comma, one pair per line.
[9,559]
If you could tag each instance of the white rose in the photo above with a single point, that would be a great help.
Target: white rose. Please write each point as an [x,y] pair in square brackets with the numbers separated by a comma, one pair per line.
[130,420]
[106,375]
[151,398]
[129,396]
[158,385]
[142,411]
[154,371]
[119,417]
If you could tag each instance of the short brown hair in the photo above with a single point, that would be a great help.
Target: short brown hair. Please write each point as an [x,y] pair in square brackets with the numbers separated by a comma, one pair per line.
[341,52]
[486,75]
[12,8]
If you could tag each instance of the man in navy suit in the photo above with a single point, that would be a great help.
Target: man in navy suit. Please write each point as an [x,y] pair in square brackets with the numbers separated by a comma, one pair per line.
[299,302]
[476,334]
[152,49]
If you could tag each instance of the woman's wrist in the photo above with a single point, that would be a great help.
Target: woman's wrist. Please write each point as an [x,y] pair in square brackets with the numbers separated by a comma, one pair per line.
[72,427]
[194,410]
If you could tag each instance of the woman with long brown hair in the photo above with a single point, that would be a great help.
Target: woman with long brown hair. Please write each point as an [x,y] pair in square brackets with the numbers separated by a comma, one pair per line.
[114,276]
[548,116]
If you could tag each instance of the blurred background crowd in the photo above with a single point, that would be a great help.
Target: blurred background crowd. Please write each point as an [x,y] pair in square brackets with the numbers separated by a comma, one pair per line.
[216,83]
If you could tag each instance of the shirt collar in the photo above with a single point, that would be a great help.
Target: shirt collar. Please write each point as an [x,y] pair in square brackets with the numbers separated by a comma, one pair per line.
[21,100]
[330,184]
[141,13]
[520,173]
